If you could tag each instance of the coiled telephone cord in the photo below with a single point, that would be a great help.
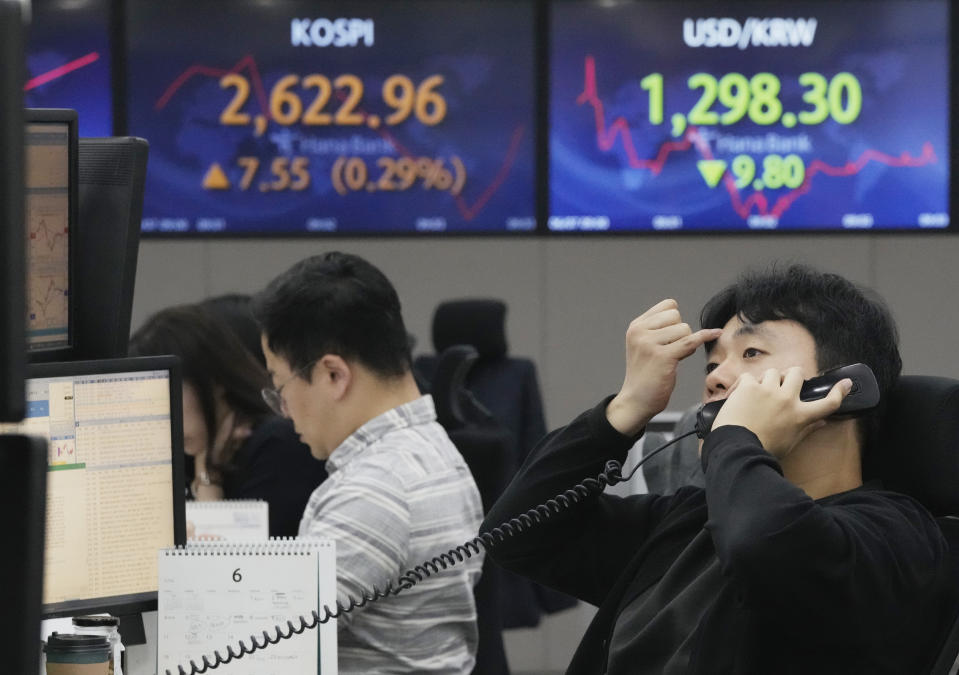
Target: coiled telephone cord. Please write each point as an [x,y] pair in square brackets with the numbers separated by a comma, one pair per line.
[487,540]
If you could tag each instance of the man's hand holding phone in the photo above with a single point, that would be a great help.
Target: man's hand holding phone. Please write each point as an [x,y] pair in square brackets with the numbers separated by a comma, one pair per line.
[770,407]
[656,341]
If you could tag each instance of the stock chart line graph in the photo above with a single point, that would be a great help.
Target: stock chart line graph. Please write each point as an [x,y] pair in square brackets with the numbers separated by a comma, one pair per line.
[618,132]
[607,134]
[247,63]
[48,291]
[61,71]
[49,237]
[53,293]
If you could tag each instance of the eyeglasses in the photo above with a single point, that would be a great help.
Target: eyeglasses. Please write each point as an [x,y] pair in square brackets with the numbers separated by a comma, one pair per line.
[274,396]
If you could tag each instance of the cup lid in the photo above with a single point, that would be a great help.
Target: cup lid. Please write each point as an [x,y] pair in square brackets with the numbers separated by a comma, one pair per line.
[68,642]
[92,620]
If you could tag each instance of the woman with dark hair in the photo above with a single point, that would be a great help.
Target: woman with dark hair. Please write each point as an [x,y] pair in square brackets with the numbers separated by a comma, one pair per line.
[238,448]
[234,309]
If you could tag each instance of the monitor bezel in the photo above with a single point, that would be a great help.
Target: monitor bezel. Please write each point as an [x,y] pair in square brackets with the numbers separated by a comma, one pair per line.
[140,602]
[68,117]
[13,276]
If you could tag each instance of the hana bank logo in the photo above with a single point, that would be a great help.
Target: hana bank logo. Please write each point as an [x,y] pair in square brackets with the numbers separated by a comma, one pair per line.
[754,32]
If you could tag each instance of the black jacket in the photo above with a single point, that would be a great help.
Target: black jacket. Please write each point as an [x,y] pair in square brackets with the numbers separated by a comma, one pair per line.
[847,584]
[273,465]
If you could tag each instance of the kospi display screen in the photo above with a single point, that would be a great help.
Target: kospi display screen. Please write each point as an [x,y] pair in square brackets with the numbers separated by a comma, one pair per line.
[68,61]
[749,115]
[363,117]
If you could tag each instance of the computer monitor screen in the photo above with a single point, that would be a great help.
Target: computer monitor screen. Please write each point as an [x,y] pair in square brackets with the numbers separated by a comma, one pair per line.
[688,115]
[12,246]
[115,478]
[50,146]
[69,61]
[366,117]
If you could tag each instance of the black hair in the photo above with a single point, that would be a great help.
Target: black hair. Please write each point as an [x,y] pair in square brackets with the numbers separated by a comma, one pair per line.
[234,309]
[848,324]
[211,356]
[335,303]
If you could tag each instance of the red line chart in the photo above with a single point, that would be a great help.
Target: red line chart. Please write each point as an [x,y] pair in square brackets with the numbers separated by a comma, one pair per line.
[60,71]
[607,135]
[44,233]
[53,292]
[248,63]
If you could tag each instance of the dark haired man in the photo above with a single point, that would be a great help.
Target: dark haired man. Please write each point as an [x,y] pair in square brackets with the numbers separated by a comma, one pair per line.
[398,492]
[786,562]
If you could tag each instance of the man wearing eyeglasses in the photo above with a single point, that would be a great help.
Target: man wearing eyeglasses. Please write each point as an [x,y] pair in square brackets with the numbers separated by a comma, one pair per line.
[398,491]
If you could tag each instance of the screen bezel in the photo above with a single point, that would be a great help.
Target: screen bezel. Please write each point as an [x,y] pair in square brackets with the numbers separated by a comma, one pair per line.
[13,249]
[952,188]
[140,602]
[68,117]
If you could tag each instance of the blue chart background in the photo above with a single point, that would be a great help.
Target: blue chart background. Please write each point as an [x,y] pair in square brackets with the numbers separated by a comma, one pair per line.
[897,50]
[63,32]
[488,88]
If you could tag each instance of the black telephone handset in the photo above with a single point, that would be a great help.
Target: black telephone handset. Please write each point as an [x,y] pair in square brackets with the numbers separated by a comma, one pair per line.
[863,397]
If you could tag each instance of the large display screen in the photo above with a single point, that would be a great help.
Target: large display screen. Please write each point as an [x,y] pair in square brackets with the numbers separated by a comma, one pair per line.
[302,116]
[669,115]
[68,61]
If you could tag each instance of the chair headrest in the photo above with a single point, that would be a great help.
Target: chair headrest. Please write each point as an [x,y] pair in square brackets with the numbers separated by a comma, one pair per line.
[477,322]
[917,452]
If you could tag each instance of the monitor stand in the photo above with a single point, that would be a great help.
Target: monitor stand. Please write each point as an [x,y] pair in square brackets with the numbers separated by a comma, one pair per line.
[131,630]
[141,657]
[132,633]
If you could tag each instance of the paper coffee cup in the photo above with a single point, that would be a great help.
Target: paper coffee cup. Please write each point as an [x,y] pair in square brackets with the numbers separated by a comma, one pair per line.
[68,654]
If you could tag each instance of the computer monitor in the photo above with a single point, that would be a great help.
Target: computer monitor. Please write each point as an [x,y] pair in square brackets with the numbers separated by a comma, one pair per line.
[115,479]
[50,145]
[12,246]
[112,174]
[23,464]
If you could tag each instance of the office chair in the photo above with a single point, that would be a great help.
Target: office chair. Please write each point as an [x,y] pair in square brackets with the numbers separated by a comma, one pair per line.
[917,453]
[485,447]
[507,386]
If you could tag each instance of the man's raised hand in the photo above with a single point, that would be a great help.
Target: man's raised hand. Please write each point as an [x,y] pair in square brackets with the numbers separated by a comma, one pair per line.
[656,341]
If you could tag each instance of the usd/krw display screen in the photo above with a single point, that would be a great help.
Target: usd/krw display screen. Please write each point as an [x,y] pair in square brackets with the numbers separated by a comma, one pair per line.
[298,116]
[749,115]
[68,61]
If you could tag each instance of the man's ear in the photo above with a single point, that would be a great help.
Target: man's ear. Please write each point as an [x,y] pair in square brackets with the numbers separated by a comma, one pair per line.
[337,373]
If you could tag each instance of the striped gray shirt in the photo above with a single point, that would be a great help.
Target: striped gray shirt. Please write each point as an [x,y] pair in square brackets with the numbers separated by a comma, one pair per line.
[398,494]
